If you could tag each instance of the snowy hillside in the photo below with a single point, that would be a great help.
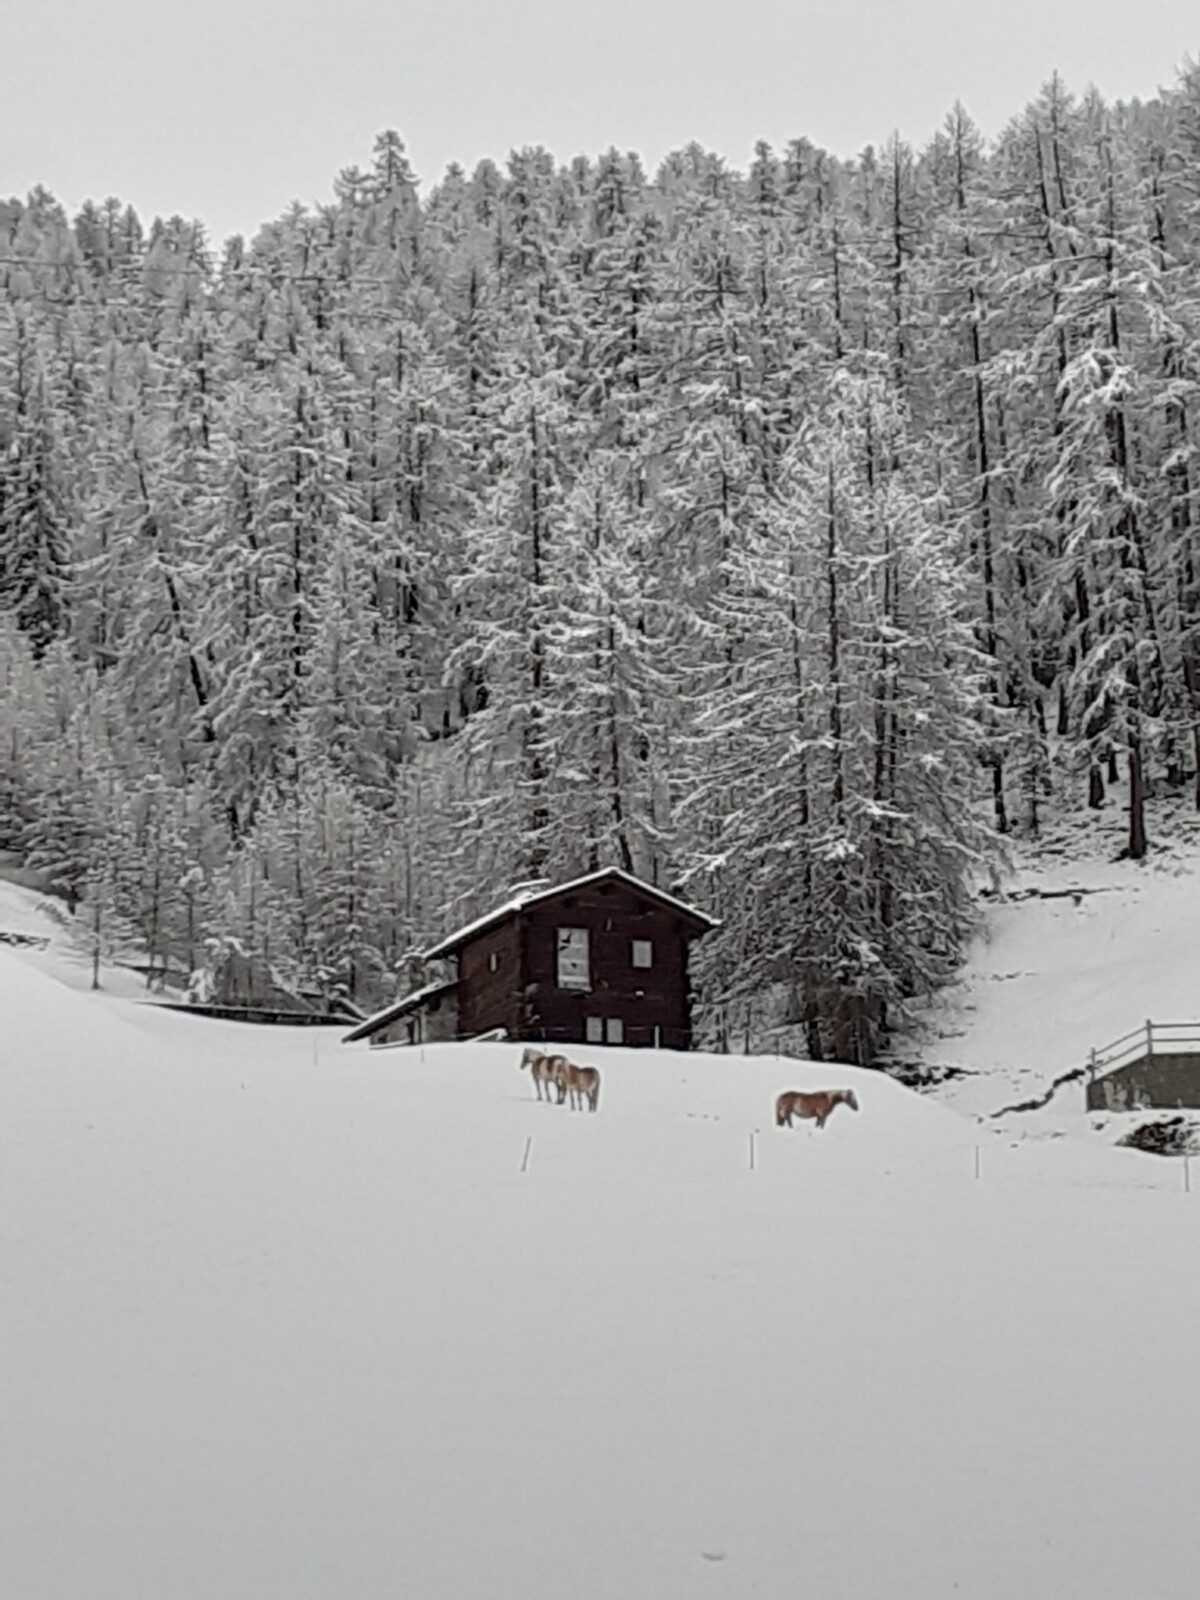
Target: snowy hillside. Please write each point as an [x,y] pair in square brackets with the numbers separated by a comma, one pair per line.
[1081,949]
[39,928]
[285,1319]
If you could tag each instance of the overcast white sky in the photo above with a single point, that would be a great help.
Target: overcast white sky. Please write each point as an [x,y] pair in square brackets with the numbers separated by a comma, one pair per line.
[229,109]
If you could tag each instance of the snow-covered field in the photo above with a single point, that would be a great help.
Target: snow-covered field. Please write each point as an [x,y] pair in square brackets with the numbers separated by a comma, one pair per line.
[284,1320]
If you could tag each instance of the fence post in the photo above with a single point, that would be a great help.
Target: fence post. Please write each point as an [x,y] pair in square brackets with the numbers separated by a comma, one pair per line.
[977,1161]
[752,1152]
[1149,1039]
[1092,1065]
[1187,1173]
[525,1157]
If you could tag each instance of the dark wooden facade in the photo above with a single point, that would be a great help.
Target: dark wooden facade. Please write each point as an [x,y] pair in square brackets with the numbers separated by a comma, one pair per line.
[490,981]
[652,1005]
[601,960]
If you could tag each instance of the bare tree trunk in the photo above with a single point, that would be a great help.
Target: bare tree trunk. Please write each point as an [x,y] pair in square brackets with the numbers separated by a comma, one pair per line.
[1137,797]
[1191,673]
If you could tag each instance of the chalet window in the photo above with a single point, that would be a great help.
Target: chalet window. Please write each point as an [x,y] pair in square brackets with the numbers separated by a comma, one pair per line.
[595,1030]
[614,1031]
[494,961]
[574,966]
[643,953]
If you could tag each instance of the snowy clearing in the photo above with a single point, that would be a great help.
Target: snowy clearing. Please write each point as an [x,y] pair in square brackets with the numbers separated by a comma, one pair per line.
[40,929]
[285,1319]
[1083,951]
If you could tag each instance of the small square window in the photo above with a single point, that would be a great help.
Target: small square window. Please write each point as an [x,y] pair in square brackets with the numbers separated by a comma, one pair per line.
[595,1030]
[643,953]
[614,1031]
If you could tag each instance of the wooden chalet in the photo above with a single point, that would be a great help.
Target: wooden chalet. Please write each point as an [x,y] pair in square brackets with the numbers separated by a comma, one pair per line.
[602,959]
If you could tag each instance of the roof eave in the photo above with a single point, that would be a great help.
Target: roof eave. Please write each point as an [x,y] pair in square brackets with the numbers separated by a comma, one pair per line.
[398,1009]
[454,942]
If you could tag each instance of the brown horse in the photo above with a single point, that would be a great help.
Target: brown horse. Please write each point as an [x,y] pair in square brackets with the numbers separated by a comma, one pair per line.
[581,1083]
[543,1069]
[818,1105]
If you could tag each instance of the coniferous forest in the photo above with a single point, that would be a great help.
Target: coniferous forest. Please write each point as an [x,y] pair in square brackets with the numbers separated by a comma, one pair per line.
[787,537]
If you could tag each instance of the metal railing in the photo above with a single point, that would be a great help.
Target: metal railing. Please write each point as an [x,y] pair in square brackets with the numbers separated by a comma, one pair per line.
[1143,1044]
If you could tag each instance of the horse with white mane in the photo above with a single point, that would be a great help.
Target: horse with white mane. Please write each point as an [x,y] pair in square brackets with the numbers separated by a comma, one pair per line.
[543,1069]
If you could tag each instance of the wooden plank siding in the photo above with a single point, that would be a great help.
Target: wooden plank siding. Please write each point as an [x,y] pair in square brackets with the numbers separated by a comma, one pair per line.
[652,1004]
[488,999]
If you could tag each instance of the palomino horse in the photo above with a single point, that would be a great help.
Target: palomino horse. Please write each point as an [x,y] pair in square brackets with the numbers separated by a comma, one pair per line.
[543,1069]
[818,1105]
[581,1083]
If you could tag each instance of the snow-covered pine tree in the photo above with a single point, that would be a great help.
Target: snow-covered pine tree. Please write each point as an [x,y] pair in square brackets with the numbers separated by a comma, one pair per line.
[1120,684]
[35,539]
[850,744]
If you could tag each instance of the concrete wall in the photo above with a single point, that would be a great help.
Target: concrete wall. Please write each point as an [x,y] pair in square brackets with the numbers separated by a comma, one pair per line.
[1165,1081]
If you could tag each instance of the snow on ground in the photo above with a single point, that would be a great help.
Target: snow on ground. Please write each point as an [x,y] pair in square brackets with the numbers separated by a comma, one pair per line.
[1114,944]
[284,1318]
[41,929]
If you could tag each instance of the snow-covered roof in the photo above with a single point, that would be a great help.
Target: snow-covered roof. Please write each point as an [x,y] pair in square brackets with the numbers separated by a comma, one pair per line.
[533,896]
[398,1008]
